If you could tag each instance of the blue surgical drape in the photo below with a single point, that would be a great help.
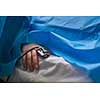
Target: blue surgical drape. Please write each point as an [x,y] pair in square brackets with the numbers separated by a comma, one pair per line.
[76,38]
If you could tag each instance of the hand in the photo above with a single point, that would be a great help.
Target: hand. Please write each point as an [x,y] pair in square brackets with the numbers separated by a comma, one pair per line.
[30,60]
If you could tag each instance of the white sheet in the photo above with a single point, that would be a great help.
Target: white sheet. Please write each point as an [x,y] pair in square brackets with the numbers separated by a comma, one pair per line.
[52,69]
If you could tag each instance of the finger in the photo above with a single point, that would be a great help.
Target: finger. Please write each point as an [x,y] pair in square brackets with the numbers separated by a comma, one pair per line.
[35,59]
[29,63]
[24,62]
[32,62]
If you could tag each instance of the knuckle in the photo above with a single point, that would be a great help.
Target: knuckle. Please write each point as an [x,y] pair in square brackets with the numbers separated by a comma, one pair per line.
[28,55]
[33,50]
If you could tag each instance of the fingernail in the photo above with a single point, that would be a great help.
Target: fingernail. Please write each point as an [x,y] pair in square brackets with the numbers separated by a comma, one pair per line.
[37,66]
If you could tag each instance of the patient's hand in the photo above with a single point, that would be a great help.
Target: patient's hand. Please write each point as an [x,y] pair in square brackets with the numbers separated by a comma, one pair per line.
[30,60]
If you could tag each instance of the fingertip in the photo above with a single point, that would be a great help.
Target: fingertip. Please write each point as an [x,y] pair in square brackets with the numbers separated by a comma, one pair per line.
[36,66]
